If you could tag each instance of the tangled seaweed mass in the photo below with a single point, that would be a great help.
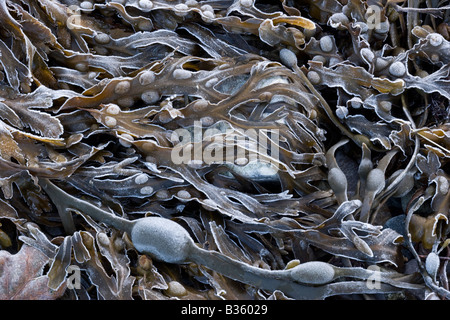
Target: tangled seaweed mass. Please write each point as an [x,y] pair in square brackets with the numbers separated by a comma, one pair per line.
[224,149]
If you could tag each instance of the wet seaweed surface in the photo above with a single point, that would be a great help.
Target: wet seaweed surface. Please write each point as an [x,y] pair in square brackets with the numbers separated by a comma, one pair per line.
[224,149]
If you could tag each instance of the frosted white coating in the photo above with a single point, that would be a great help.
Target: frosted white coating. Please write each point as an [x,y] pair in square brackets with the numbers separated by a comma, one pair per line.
[146,190]
[146,77]
[141,178]
[313,272]
[122,87]
[145,4]
[86,5]
[200,105]
[341,112]
[184,194]
[381,63]
[182,74]
[432,264]
[207,7]
[191,3]
[382,27]
[113,109]
[337,180]
[241,161]
[145,25]
[246,3]
[314,77]
[162,239]
[162,194]
[338,19]
[326,44]
[405,185]
[176,289]
[181,6]
[288,57]
[397,69]
[103,239]
[375,180]
[124,140]
[207,15]
[110,121]
[102,38]
[150,96]
[435,39]
[443,185]
[125,102]
[367,54]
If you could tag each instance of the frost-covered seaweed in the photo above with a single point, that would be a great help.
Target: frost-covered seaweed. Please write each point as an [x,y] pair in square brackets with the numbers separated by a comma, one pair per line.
[183,148]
